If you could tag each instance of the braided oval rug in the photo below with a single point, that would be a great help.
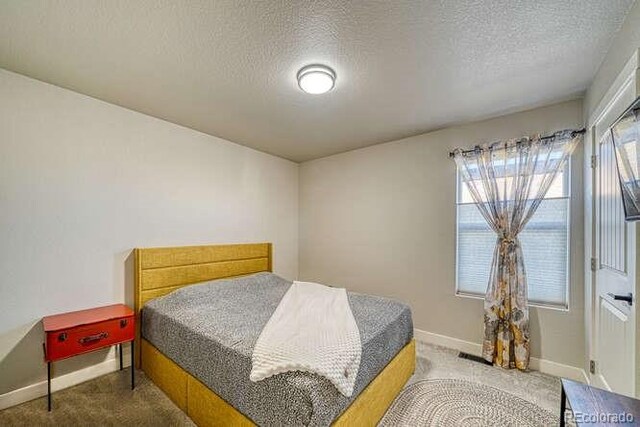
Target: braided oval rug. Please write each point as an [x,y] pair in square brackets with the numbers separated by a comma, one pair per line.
[452,402]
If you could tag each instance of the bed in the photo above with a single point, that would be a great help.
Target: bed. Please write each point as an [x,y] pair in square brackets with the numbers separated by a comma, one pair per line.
[200,356]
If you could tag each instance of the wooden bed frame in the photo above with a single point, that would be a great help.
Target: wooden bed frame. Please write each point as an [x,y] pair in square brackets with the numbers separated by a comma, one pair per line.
[159,271]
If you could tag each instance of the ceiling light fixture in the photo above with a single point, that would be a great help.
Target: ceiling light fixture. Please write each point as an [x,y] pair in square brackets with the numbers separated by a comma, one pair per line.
[316,79]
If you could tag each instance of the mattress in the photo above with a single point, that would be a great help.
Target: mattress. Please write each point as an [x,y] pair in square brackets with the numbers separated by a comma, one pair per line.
[210,330]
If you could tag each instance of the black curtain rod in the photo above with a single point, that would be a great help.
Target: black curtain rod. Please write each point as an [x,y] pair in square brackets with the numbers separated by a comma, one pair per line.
[544,138]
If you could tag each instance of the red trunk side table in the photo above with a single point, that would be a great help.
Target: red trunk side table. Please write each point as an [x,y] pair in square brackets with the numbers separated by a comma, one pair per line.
[79,332]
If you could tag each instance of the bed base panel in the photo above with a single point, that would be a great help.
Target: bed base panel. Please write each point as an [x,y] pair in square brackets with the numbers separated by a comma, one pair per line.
[207,409]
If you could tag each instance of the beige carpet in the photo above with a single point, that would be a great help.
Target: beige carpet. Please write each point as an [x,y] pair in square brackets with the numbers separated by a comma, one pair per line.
[105,401]
[108,400]
[535,387]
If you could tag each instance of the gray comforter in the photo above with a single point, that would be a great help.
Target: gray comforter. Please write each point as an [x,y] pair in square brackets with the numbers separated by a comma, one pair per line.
[210,330]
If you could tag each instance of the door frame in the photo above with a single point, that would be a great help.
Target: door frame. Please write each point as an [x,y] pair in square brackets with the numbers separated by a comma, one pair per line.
[630,75]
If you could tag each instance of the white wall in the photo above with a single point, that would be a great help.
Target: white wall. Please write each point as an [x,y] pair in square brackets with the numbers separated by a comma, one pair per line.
[83,182]
[625,43]
[381,220]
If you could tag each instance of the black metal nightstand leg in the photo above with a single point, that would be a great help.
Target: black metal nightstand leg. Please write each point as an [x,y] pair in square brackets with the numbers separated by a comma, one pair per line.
[133,367]
[49,386]
[120,353]
[563,405]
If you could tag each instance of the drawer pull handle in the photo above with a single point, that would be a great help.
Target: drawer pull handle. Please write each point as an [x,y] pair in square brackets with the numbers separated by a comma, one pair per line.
[123,323]
[62,337]
[93,338]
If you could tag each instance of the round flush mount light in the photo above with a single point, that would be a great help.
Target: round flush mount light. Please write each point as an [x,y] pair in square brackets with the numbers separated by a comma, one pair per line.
[316,79]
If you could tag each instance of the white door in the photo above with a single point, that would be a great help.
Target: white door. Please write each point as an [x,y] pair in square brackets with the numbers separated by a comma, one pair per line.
[615,263]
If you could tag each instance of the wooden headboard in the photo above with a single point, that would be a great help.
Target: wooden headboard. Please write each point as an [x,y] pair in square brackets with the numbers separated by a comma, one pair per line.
[159,271]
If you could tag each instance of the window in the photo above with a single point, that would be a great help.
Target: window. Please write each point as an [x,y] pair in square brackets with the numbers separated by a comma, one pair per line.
[545,245]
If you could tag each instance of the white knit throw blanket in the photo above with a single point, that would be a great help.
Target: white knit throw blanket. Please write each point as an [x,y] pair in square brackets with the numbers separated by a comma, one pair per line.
[312,330]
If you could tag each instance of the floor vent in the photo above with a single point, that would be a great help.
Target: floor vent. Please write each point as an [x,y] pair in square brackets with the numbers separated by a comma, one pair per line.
[473,358]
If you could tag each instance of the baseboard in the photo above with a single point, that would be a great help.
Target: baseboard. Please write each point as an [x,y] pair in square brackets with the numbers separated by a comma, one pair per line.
[542,365]
[37,390]
[34,391]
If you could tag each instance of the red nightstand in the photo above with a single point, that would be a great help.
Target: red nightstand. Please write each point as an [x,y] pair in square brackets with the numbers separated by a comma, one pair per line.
[78,332]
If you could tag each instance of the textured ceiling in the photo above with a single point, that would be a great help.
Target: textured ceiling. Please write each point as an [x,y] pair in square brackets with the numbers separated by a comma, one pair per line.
[228,68]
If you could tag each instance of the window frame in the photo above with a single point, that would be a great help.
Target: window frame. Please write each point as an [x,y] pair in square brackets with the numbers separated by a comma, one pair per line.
[552,306]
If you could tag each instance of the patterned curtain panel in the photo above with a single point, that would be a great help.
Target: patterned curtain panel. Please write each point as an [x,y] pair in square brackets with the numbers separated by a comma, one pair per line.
[507,181]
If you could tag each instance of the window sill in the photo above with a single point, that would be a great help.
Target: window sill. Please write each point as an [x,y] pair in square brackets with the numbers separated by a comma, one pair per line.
[554,307]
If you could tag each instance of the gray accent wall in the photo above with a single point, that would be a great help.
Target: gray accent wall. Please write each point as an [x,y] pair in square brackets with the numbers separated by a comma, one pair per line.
[381,220]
